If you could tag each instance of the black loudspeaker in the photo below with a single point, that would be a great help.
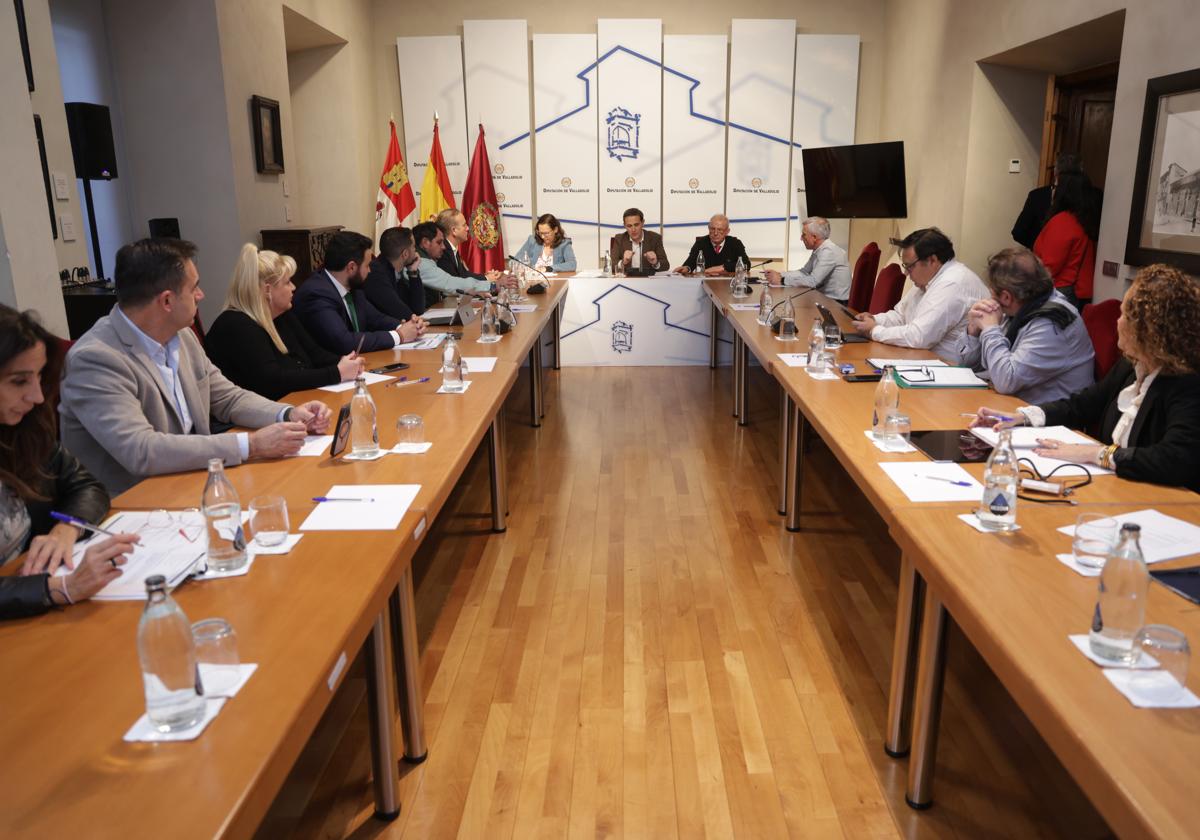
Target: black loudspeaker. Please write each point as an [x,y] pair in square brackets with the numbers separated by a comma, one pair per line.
[164,229]
[91,141]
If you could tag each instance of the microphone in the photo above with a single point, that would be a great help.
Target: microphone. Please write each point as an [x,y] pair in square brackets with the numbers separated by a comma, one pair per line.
[770,315]
[760,265]
[472,293]
[545,284]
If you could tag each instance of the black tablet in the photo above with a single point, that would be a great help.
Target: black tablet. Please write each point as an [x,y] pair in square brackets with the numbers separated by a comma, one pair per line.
[1185,582]
[951,445]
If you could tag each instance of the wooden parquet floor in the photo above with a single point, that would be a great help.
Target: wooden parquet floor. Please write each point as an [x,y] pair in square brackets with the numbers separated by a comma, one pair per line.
[648,653]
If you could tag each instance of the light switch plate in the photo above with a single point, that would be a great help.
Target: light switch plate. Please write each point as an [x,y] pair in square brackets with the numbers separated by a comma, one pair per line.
[66,226]
[62,187]
[1014,166]
[287,213]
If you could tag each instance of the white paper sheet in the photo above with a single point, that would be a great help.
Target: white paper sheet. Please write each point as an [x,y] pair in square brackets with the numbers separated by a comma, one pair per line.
[1151,689]
[744,307]
[793,359]
[524,307]
[908,447]
[314,446]
[429,340]
[1163,537]
[1080,641]
[439,312]
[371,379]
[163,551]
[1025,439]
[389,503]
[973,521]
[411,448]
[1068,560]
[943,376]
[828,374]
[882,363]
[480,364]
[928,481]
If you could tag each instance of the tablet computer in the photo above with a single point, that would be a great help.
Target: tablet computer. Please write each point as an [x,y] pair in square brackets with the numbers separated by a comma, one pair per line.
[1185,582]
[957,446]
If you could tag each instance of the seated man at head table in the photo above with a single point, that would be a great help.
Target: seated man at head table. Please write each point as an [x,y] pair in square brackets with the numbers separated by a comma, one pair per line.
[455,234]
[933,314]
[394,280]
[139,391]
[1147,408]
[1027,338]
[826,270]
[719,250]
[431,246]
[638,248]
[335,310]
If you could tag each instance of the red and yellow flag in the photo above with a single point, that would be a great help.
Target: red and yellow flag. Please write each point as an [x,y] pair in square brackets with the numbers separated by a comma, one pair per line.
[435,189]
[485,249]
[395,199]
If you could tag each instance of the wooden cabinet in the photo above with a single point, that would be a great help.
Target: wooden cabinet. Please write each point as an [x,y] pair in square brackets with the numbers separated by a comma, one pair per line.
[306,245]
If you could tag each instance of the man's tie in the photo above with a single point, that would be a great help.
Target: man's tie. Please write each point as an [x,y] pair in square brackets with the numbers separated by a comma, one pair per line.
[349,298]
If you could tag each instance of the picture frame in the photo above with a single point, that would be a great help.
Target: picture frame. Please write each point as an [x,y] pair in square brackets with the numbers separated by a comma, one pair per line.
[268,134]
[23,36]
[1164,215]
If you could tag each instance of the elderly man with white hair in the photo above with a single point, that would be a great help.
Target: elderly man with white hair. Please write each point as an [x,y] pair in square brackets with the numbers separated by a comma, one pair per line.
[826,269]
[719,250]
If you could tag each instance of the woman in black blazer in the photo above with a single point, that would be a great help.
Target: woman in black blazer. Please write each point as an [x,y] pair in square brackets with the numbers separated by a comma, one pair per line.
[259,344]
[1147,409]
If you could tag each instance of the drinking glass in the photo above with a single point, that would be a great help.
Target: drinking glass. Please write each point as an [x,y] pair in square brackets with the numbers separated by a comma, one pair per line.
[216,655]
[833,335]
[1095,535]
[410,428]
[897,431]
[1167,647]
[787,329]
[488,329]
[269,520]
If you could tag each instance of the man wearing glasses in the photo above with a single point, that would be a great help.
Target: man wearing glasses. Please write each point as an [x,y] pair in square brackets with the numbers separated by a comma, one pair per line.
[720,250]
[933,314]
[826,270]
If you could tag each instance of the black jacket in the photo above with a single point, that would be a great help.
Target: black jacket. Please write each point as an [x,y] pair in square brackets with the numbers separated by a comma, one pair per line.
[451,263]
[320,308]
[731,249]
[1165,435]
[1033,216]
[71,489]
[401,297]
[249,359]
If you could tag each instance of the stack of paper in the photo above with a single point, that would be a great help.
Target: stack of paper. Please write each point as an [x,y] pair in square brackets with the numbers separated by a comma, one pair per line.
[922,375]
[371,379]
[1163,537]
[1025,440]
[429,340]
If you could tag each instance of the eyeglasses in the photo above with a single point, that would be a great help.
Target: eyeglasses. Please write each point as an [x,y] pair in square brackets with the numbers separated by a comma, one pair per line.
[908,267]
[915,374]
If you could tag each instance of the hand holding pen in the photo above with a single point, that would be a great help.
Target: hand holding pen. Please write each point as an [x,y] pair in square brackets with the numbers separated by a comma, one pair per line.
[995,419]
[49,551]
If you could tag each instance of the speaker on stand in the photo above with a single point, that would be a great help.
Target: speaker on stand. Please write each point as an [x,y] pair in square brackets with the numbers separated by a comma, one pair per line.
[90,128]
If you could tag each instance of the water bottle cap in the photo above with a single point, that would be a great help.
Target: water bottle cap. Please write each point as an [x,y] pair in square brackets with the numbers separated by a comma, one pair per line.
[215,465]
[155,582]
[1132,527]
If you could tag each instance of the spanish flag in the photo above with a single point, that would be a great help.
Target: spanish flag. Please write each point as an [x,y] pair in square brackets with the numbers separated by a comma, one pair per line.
[395,199]
[435,189]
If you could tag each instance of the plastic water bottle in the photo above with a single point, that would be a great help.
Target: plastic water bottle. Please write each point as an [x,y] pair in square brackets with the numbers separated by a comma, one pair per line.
[174,696]
[222,521]
[452,366]
[364,433]
[887,397]
[765,303]
[741,288]
[1121,603]
[700,263]
[1001,477]
[816,348]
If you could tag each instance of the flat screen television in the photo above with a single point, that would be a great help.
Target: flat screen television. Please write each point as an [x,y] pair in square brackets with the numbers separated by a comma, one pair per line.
[865,181]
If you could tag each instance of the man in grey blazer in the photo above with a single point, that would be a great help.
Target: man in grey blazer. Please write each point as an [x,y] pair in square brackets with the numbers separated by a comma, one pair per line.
[138,389]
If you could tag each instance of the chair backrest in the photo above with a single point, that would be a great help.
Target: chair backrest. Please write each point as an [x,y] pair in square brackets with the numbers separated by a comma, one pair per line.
[1101,322]
[888,288]
[198,328]
[863,282]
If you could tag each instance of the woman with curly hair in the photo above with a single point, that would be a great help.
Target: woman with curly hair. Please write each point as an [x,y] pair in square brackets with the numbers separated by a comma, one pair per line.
[1147,410]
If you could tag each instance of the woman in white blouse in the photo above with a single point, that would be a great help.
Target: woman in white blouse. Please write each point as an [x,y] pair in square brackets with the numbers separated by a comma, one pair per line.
[1146,411]
[548,249]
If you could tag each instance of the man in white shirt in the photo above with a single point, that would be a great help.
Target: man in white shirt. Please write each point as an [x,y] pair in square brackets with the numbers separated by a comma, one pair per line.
[933,314]
[826,270]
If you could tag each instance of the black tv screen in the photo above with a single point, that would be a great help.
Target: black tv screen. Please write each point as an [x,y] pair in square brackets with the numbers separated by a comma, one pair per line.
[865,181]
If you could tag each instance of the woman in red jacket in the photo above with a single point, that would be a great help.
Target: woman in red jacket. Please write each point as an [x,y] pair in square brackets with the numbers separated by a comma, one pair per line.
[1067,244]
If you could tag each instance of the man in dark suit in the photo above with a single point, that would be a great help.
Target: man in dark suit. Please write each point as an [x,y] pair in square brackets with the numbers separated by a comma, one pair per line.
[394,280]
[334,309]
[454,228]
[721,251]
[1037,204]
[637,248]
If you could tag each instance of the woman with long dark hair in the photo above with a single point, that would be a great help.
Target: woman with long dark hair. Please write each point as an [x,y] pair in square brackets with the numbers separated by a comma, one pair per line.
[38,476]
[1067,244]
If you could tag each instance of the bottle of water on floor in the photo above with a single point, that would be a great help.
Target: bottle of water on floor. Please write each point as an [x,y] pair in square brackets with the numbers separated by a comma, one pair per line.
[1001,477]
[364,433]
[452,379]
[223,521]
[1121,603]
[816,348]
[887,396]
[765,304]
[174,696]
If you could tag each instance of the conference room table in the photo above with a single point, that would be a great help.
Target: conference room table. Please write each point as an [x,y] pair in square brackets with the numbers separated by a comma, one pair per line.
[931,536]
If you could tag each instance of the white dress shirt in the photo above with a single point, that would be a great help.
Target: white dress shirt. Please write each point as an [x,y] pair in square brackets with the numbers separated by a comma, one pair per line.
[636,260]
[933,318]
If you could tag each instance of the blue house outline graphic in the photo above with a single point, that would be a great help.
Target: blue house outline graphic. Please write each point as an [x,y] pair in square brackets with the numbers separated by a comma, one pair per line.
[664,304]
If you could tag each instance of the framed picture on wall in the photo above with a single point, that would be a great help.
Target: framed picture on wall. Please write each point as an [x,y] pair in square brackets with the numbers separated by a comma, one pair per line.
[268,134]
[1164,217]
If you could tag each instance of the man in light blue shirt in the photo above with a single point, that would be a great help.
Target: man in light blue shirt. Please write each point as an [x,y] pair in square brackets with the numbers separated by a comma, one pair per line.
[139,392]
[431,244]
[826,269]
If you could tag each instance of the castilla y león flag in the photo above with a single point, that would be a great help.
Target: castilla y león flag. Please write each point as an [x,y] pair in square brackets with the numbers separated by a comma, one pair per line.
[435,186]
[395,200]
[485,249]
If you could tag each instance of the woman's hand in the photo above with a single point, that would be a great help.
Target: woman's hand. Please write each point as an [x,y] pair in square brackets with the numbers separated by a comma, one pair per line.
[996,419]
[1076,453]
[49,551]
[100,565]
[350,367]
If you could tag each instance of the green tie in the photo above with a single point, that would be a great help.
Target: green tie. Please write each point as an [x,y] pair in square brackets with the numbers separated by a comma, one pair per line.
[353,312]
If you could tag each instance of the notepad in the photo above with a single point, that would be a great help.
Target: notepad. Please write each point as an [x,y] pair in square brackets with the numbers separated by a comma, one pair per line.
[371,379]
[923,375]
[387,506]
[163,550]
[1025,440]
[429,340]
[480,364]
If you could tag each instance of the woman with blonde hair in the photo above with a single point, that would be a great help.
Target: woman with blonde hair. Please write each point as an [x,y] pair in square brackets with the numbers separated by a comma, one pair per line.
[259,344]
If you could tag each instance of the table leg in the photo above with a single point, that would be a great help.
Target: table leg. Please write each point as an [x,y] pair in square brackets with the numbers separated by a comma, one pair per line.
[558,336]
[498,479]
[785,431]
[897,739]
[714,321]
[535,384]
[744,386]
[738,349]
[380,710]
[408,669]
[797,432]
[928,704]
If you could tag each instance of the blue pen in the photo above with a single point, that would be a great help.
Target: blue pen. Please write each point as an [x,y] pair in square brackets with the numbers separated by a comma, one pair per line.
[406,381]
[79,523]
[339,499]
[948,480]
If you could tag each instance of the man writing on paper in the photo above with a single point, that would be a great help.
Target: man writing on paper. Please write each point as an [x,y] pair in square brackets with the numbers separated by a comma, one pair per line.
[1026,338]
[394,279]
[334,309]
[933,314]
[139,391]
[826,270]
[720,250]
[638,248]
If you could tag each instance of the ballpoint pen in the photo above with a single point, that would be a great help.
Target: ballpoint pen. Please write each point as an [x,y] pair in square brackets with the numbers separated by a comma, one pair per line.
[339,499]
[404,380]
[948,480]
[1000,417]
[79,523]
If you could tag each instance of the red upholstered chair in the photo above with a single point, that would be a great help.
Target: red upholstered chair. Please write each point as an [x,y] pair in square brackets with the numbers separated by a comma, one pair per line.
[864,277]
[888,289]
[198,328]
[1101,322]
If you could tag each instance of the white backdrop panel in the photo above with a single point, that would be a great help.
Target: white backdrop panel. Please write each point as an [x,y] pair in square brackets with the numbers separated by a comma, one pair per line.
[496,57]
[760,109]
[564,116]
[629,118]
[431,79]
[693,138]
[823,115]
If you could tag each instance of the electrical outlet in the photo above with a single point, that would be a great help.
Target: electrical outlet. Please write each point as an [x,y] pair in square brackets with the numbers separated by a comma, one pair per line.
[287,213]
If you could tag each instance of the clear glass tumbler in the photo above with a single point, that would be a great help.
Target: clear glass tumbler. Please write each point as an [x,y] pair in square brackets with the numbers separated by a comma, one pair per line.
[216,655]
[1095,536]
[1162,655]
[269,520]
